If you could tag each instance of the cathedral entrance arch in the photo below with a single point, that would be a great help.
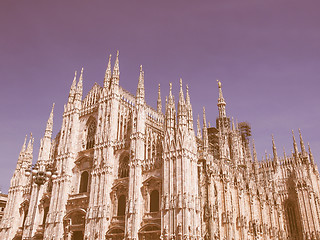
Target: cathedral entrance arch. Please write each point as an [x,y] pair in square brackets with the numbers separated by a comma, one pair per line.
[150,232]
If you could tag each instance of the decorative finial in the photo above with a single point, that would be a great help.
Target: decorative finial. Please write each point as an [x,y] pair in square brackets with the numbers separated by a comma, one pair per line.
[170,84]
[180,83]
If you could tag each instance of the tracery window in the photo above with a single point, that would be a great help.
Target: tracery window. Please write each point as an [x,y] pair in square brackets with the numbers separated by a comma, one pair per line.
[121,206]
[84,182]
[123,167]
[91,134]
[154,201]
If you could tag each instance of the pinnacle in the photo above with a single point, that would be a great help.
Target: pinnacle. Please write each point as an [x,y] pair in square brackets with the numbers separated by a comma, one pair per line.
[107,75]
[24,144]
[159,106]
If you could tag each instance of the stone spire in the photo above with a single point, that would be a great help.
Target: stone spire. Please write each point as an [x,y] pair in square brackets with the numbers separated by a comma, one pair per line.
[284,154]
[181,107]
[255,159]
[198,128]
[205,132]
[22,152]
[23,148]
[140,90]
[30,145]
[303,149]
[170,110]
[116,71]
[295,146]
[189,110]
[159,105]
[73,88]
[310,155]
[48,131]
[78,95]
[181,103]
[275,155]
[233,127]
[107,76]
[170,98]
[221,103]
[188,103]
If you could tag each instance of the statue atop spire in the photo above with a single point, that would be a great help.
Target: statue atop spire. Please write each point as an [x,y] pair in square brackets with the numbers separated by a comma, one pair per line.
[221,102]
[73,88]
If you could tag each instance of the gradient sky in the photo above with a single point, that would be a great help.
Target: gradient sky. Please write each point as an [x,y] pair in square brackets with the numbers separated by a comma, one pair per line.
[266,54]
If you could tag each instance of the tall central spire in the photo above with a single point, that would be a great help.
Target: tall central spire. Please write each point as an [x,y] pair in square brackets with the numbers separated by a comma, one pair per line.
[221,103]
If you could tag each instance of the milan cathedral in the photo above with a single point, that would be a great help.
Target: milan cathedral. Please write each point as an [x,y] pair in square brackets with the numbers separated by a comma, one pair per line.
[119,169]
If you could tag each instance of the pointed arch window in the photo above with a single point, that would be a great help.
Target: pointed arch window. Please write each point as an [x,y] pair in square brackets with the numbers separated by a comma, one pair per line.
[123,167]
[84,182]
[154,201]
[121,206]
[292,220]
[91,134]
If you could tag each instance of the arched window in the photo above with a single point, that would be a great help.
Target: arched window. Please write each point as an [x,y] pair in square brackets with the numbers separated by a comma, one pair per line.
[45,214]
[91,134]
[121,205]
[154,201]
[123,167]
[292,220]
[84,182]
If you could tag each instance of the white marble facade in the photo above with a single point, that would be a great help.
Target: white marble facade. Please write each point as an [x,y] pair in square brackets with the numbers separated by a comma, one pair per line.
[119,169]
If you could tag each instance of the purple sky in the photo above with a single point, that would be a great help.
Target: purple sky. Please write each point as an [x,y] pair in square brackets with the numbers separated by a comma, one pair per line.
[266,54]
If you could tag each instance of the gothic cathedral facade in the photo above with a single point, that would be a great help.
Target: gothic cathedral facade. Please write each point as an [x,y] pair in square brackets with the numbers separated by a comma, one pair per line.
[119,169]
